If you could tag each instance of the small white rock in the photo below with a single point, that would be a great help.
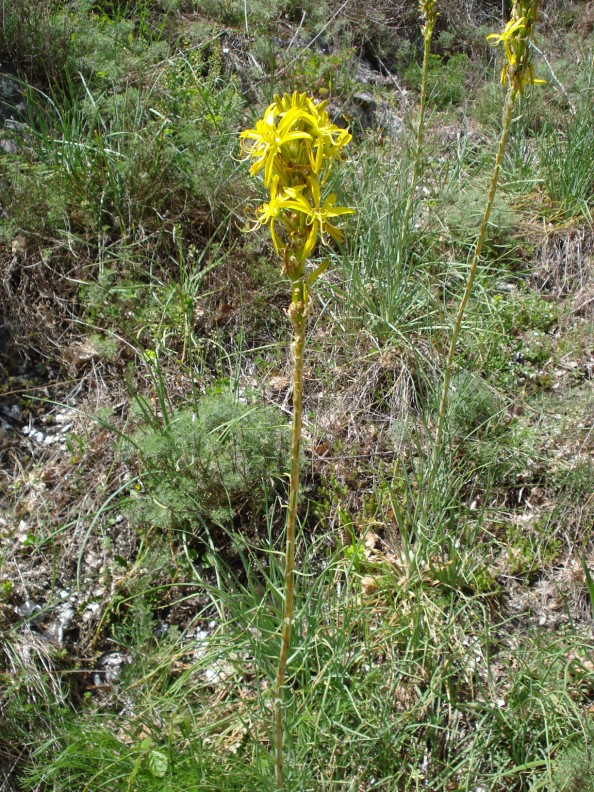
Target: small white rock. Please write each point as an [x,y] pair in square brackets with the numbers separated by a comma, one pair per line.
[65,615]
[91,611]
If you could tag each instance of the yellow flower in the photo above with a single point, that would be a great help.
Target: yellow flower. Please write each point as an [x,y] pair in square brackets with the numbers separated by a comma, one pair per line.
[317,217]
[516,36]
[268,140]
[512,27]
[511,37]
[295,144]
[271,211]
[329,140]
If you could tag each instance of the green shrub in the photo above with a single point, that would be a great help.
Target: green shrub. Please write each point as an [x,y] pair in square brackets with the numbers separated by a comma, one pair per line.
[578,483]
[38,199]
[463,210]
[232,12]
[497,448]
[59,41]
[128,158]
[106,51]
[89,756]
[113,169]
[323,75]
[525,311]
[487,105]
[206,467]
[199,107]
[262,13]
[476,408]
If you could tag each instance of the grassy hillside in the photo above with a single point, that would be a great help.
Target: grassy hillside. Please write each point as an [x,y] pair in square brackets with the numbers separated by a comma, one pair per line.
[145,402]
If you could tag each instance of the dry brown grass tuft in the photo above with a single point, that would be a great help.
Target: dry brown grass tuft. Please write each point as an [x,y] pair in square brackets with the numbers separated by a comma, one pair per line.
[565,261]
[37,301]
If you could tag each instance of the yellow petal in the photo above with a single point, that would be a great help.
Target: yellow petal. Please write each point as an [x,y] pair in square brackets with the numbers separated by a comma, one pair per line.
[310,242]
[275,239]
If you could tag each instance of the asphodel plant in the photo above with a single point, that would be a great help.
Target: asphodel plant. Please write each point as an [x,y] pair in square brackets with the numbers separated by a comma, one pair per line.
[429,14]
[294,147]
[517,73]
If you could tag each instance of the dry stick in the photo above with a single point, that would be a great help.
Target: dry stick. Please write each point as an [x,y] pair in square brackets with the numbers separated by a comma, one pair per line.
[507,118]
[298,314]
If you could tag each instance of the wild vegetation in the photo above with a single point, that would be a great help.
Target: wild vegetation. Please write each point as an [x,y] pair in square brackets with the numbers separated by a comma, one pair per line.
[442,635]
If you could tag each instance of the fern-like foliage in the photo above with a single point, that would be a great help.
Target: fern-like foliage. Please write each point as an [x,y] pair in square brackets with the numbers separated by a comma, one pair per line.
[208,466]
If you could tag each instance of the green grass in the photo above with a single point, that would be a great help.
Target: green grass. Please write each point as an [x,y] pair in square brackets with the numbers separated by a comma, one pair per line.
[567,165]
[395,676]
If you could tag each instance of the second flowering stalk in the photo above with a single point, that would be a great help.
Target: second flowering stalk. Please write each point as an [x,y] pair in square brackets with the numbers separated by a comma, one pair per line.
[517,73]
[429,14]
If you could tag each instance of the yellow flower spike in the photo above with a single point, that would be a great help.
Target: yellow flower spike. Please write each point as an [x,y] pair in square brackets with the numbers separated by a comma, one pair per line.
[516,37]
[295,144]
[428,9]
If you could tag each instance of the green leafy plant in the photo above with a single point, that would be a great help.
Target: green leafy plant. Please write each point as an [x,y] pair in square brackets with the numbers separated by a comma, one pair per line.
[574,768]
[445,78]
[463,211]
[326,75]
[205,466]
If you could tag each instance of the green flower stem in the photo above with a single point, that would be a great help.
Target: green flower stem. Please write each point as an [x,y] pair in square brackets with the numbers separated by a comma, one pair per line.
[420,135]
[298,315]
[506,124]
[428,32]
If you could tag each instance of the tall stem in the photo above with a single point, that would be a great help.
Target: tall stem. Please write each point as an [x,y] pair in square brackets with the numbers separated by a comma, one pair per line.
[443,405]
[297,312]
[420,132]
[428,32]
